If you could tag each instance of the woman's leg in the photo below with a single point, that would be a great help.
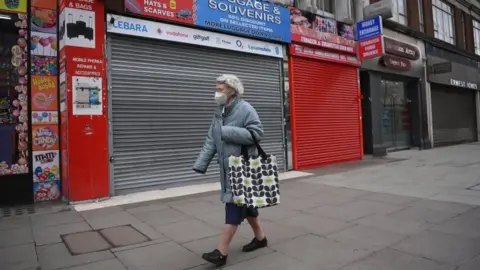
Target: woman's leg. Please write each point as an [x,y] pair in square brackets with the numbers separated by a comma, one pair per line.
[227,236]
[256,227]
[259,241]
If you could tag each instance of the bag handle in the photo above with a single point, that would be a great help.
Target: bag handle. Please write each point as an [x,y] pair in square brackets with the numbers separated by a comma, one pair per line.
[259,148]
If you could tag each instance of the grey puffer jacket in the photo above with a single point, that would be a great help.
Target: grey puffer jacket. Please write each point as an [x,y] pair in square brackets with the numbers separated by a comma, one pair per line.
[230,130]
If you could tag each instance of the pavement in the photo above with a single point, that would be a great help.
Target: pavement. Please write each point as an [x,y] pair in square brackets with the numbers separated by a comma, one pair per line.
[416,210]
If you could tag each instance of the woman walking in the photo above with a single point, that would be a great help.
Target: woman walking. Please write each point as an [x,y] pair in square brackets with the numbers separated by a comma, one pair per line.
[234,123]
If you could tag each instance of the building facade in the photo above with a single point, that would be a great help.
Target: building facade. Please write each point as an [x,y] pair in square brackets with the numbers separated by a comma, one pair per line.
[444,106]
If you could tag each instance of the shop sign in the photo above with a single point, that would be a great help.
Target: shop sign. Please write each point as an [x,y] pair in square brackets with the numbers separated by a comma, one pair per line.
[321,54]
[251,18]
[310,29]
[370,48]
[394,62]
[369,28]
[172,10]
[401,49]
[162,31]
[441,68]
[464,84]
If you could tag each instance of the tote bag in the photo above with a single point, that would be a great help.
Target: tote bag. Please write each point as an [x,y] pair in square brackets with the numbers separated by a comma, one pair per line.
[254,180]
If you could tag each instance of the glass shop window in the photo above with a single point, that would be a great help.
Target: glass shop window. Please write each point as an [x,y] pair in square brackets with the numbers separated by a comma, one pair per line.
[13,95]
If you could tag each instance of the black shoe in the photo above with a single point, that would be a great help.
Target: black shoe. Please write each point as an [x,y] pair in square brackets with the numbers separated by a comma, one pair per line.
[255,244]
[215,257]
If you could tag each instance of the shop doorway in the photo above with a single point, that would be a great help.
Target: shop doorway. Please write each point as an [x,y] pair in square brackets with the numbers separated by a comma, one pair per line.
[396,115]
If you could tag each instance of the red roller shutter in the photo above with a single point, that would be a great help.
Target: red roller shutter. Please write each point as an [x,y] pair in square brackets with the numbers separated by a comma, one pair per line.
[326,113]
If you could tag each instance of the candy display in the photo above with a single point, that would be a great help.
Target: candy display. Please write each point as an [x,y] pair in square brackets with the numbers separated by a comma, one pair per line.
[43,44]
[46,166]
[44,65]
[44,20]
[47,191]
[45,137]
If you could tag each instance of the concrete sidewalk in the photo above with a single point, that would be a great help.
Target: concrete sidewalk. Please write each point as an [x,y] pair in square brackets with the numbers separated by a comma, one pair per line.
[317,225]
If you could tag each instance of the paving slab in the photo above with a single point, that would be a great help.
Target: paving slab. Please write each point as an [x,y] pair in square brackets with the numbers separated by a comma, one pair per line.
[315,225]
[235,253]
[168,255]
[197,208]
[453,250]
[389,259]
[111,264]
[464,225]
[355,210]
[322,199]
[449,207]
[106,218]
[14,223]
[275,232]
[293,203]
[189,230]
[161,217]
[277,213]
[56,256]
[319,252]
[85,242]
[368,237]
[56,219]
[423,214]
[123,236]
[145,207]
[18,257]
[16,237]
[390,198]
[52,234]
[274,261]
[387,223]
[471,265]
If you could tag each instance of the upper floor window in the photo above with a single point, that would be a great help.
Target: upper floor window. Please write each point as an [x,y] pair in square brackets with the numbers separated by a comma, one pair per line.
[420,13]
[399,12]
[443,21]
[318,6]
[476,36]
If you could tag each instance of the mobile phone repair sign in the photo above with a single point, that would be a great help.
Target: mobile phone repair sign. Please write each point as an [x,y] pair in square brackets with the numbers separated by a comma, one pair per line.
[253,18]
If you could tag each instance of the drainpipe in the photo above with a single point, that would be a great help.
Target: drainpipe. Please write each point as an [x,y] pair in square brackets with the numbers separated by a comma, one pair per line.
[358,9]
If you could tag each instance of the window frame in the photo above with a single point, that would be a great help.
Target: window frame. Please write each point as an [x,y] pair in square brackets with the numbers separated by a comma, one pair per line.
[397,14]
[476,35]
[444,10]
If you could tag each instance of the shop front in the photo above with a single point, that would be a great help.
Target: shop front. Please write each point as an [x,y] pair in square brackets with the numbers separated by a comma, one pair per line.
[161,85]
[394,103]
[455,87]
[29,153]
[324,92]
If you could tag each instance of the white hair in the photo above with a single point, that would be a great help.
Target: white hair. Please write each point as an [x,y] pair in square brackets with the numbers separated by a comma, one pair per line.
[232,82]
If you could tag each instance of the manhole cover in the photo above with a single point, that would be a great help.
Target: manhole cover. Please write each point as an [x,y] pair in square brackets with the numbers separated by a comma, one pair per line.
[85,242]
[24,210]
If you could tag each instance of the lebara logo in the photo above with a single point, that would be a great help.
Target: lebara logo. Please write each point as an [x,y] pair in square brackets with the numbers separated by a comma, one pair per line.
[200,37]
[136,27]
[259,48]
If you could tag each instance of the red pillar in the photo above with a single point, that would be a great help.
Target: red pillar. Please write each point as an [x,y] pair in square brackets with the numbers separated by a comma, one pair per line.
[84,111]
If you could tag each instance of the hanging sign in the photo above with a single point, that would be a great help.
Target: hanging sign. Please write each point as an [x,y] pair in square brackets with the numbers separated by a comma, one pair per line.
[13,6]
[251,18]
[370,48]
[369,28]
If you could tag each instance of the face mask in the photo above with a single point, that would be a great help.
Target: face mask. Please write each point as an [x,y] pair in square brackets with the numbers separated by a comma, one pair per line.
[220,98]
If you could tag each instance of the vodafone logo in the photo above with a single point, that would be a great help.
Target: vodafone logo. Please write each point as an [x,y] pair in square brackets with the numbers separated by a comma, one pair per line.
[177,34]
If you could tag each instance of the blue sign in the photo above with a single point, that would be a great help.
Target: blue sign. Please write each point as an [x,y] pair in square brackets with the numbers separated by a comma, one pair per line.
[254,18]
[369,28]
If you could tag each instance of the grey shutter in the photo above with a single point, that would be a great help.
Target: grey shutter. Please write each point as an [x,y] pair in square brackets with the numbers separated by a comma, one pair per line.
[453,115]
[162,106]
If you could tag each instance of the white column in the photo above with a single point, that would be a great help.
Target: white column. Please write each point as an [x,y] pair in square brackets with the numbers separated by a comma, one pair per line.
[358,8]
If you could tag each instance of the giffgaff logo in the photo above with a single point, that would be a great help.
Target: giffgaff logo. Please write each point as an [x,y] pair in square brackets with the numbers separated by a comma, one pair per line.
[259,48]
[200,37]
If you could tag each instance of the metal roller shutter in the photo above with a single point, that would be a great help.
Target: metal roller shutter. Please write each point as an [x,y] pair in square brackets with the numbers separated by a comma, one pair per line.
[453,115]
[326,113]
[162,106]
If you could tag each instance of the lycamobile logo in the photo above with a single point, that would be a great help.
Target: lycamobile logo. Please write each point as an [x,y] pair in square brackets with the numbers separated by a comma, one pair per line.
[258,48]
